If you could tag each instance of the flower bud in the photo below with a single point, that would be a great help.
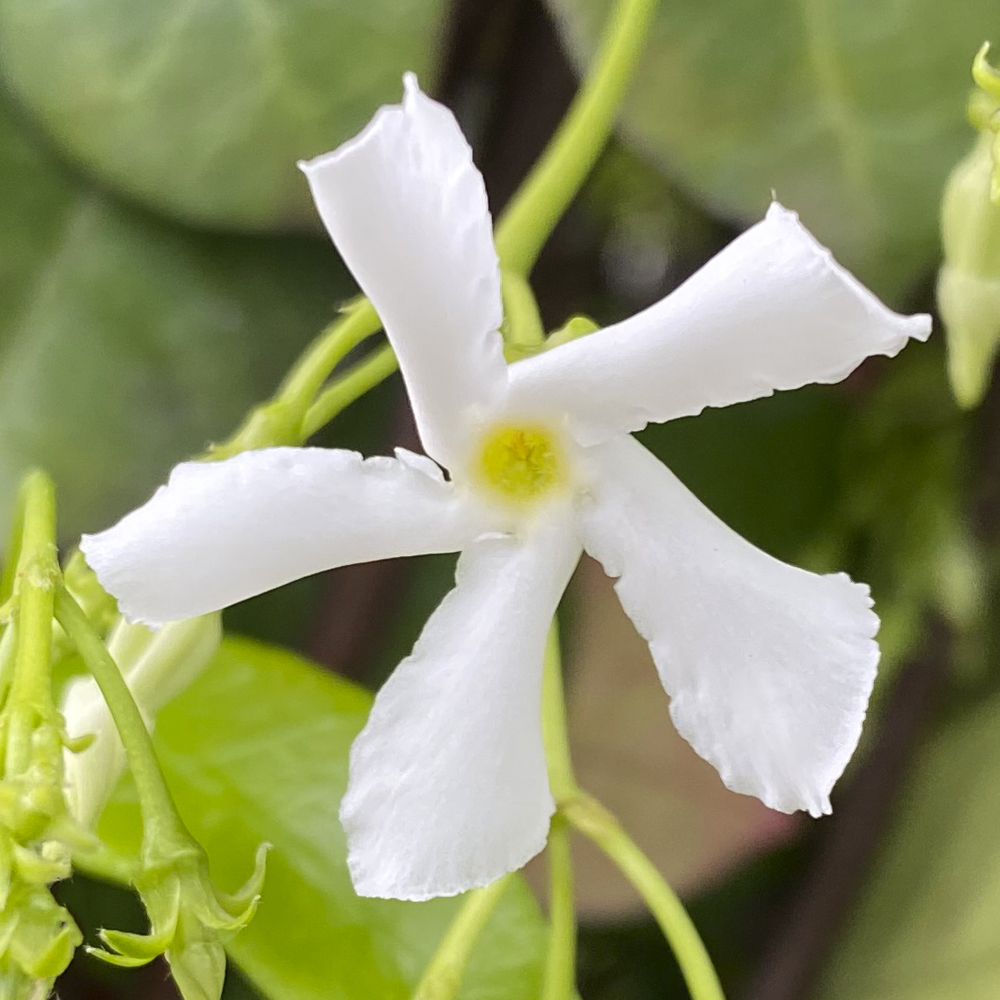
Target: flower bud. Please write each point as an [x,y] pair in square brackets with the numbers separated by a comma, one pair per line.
[968,288]
[188,919]
[157,666]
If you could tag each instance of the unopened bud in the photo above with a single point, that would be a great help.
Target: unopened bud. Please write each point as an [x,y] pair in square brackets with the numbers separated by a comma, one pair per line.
[969,282]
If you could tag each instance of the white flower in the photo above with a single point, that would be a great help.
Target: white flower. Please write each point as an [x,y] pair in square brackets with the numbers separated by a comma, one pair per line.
[768,667]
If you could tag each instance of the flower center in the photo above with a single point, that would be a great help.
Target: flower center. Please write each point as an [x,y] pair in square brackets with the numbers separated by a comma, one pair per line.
[521,463]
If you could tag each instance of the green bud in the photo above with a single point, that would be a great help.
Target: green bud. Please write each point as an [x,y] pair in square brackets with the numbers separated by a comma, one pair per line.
[37,937]
[189,919]
[984,110]
[968,288]
[986,77]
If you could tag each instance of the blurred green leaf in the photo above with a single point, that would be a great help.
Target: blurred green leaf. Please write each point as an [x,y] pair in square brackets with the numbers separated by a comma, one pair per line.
[126,344]
[256,750]
[764,467]
[904,519]
[927,926]
[201,108]
[852,114]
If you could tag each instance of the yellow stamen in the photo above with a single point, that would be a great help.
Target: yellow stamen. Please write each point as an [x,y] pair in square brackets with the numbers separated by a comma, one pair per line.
[521,463]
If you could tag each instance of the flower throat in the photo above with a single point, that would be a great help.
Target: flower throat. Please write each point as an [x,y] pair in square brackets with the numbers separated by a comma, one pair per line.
[521,463]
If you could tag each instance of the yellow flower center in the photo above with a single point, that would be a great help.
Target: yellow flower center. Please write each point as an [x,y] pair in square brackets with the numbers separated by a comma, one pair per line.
[521,463]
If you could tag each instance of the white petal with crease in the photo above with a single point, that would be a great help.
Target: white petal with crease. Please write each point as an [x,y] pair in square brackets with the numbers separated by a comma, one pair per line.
[220,532]
[772,311]
[448,787]
[406,208]
[768,667]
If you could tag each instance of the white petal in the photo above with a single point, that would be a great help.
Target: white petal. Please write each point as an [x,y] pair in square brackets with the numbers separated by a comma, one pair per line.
[771,311]
[219,532]
[157,667]
[769,668]
[448,787]
[407,209]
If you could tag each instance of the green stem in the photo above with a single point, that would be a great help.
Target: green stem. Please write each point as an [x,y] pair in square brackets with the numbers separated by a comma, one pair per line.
[282,419]
[12,557]
[595,822]
[161,823]
[560,960]
[522,320]
[571,154]
[562,781]
[353,384]
[304,381]
[443,976]
[36,575]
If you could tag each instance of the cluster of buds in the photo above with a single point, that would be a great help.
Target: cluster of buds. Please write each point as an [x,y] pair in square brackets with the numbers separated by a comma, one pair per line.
[38,836]
[37,839]
[58,767]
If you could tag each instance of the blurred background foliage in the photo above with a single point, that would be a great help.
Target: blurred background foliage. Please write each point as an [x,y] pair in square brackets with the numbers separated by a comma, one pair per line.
[161,264]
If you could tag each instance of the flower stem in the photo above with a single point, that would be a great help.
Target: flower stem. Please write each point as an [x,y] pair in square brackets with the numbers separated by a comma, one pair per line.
[304,381]
[283,418]
[562,781]
[595,822]
[443,976]
[161,822]
[560,960]
[521,318]
[572,152]
[352,385]
[590,818]
[37,570]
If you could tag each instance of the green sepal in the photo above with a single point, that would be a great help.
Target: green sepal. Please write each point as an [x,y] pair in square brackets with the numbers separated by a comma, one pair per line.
[188,917]
[240,906]
[130,951]
[113,958]
[987,78]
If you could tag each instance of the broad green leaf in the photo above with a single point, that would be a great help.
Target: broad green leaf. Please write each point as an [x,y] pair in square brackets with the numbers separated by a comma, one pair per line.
[256,749]
[852,113]
[200,108]
[926,928]
[126,343]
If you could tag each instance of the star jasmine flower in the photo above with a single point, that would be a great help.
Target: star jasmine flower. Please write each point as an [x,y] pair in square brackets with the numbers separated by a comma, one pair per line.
[768,667]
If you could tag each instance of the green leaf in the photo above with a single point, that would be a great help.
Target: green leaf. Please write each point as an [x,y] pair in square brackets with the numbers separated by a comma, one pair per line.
[852,113]
[927,928]
[764,467]
[201,108]
[256,750]
[127,344]
[905,512]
